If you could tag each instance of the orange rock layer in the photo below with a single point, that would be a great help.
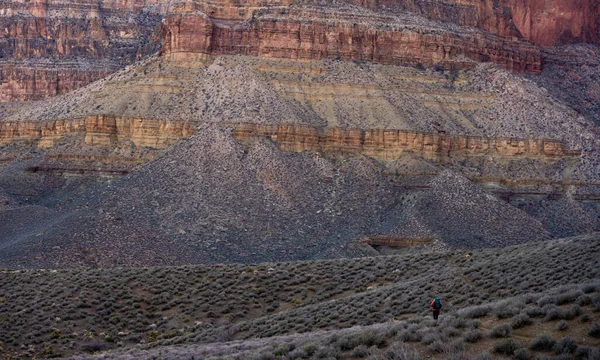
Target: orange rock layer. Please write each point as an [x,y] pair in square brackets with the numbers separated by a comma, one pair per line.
[98,130]
[384,145]
[389,145]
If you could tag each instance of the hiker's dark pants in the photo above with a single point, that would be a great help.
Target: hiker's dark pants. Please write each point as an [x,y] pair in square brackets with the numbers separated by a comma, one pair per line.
[436,313]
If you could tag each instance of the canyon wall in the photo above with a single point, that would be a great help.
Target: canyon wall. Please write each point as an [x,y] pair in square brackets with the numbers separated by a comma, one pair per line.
[101,130]
[542,22]
[314,34]
[384,145]
[21,83]
[88,39]
[389,145]
[557,22]
[50,47]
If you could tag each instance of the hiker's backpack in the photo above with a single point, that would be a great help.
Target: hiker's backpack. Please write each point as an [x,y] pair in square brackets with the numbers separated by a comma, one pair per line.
[437,304]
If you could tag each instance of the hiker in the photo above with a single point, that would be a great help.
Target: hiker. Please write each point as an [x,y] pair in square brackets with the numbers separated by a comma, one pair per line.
[436,306]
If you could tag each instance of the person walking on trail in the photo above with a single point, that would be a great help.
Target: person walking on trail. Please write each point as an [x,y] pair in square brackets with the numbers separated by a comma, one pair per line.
[436,306]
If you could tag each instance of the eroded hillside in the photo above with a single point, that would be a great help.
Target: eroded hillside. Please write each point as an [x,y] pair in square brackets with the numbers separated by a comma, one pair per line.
[285,130]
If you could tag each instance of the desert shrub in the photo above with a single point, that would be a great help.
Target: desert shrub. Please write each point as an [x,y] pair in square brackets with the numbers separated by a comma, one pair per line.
[327,352]
[594,330]
[473,324]
[430,337]
[587,353]
[360,351]
[565,345]
[473,336]
[585,318]
[310,349]
[568,298]
[474,312]
[450,331]
[534,311]
[501,331]
[583,300]
[281,350]
[520,321]
[505,310]
[505,347]
[542,343]
[296,354]
[457,346]
[545,300]
[94,345]
[437,347]
[263,356]
[522,354]
[561,325]
[483,356]
[556,313]
[400,351]
[410,335]
[589,288]
[370,338]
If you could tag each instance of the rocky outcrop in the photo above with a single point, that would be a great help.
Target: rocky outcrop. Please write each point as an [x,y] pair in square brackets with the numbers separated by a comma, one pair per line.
[557,22]
[22,83]
[60,46]
[543,22]
[98,130]
[110,130]
[80,33]
[389,145]
[315,33]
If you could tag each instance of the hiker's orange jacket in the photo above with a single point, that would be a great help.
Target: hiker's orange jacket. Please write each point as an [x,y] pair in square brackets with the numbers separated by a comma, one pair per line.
[433,305]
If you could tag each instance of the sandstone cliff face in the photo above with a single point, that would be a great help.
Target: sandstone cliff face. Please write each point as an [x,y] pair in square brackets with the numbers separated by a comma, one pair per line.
[389,145]
[101,130]
[314,34]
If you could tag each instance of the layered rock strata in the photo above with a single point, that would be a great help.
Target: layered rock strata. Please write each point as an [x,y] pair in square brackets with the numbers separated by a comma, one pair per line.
[315,33]
[543,22]
[74,36]
[124,31]
[98,130]
[23,83]
[389,145]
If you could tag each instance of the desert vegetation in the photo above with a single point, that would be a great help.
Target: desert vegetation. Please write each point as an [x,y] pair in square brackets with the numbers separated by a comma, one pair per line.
[497,300]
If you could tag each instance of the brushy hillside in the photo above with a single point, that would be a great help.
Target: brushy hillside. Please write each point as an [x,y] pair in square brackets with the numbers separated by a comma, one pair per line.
[494,300]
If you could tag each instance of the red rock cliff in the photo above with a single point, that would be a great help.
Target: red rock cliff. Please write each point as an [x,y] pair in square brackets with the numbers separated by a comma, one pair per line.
[543,22]
[50,47]
[315,33]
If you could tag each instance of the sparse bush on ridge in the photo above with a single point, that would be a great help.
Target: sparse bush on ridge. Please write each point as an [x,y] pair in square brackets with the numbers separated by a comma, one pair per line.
[505,347]
[565,345]
[207,304]
[594,330]
[542,343]
[501,331]
[473,336]
[561,325]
